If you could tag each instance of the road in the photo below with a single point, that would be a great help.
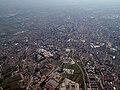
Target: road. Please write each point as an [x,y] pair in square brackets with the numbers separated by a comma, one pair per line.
[81,71]
[83,76]
[86,73]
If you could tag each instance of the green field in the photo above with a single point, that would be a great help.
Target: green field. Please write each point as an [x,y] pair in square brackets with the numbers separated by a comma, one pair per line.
[77,76]
[7,30]
[56,62]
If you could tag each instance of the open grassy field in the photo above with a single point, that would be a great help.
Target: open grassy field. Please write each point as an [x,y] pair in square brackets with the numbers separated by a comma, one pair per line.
[77,76]
[7,30]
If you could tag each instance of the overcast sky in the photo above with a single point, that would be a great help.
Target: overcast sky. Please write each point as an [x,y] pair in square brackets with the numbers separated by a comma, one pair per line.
[30,3]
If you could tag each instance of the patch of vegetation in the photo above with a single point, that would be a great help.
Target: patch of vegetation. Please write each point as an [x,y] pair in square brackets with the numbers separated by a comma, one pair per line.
[7,30]
[56,62]
[77,76]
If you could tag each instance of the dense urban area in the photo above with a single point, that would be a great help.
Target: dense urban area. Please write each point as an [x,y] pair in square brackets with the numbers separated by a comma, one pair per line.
[60,49]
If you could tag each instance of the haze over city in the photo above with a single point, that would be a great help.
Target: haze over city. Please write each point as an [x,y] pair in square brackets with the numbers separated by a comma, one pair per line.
[33,3]
[59,44]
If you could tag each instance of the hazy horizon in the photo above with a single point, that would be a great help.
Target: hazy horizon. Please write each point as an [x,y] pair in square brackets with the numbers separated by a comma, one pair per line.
[54,3]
